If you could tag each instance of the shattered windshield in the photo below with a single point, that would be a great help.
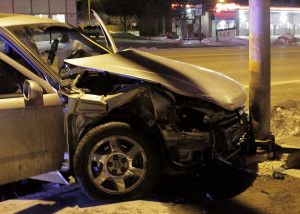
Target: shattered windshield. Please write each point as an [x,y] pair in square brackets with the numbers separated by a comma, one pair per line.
[54,44]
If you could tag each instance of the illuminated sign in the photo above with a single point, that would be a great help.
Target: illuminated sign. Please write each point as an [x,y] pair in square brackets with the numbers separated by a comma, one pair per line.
[288,9]
[176,5]
[190,6]
[226,7]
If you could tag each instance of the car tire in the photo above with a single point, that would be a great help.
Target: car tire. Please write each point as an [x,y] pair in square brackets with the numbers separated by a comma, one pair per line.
[114,163]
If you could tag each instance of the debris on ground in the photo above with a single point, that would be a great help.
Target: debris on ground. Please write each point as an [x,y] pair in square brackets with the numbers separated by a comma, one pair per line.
[268,168]
[278,175]
[264,192]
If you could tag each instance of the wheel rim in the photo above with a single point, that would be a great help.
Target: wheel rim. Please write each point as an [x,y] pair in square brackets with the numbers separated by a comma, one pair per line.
[117,164]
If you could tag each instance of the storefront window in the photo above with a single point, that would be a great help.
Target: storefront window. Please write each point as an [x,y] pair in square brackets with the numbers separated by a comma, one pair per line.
[283,17]
[243,16]
[225,24]
[231,24]
[59,17]
[42,15]
[222,25]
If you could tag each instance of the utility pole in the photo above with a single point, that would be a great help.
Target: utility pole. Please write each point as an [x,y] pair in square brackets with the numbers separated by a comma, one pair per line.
[259,66]
[89,8]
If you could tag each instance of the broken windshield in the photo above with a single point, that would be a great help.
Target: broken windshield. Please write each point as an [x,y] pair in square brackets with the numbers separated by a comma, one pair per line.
[53,44]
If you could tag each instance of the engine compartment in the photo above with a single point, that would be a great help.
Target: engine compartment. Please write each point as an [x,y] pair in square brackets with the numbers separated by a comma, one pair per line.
[191,129]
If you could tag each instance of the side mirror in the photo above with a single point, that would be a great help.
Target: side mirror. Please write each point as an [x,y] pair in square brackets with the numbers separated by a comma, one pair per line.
[32,90]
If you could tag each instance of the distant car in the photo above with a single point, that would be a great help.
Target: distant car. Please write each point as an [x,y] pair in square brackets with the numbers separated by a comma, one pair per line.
[124,118]
[92,30]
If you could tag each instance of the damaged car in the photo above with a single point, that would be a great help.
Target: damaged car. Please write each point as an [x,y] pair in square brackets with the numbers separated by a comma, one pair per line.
[123,117]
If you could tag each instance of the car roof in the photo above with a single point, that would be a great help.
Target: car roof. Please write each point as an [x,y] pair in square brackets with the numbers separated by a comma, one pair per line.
[7,19]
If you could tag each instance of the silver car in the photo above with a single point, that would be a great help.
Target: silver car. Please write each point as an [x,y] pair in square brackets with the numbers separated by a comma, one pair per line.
[124,118]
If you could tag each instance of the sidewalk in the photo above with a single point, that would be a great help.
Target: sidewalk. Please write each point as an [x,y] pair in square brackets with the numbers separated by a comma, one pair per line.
[144,43]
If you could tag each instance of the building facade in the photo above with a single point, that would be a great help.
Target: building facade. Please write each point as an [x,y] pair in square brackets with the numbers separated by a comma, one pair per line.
[282,19]
[233,16]
[60,10]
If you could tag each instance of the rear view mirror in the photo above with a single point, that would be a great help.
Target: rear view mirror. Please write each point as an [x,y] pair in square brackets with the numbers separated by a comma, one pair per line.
[32,90]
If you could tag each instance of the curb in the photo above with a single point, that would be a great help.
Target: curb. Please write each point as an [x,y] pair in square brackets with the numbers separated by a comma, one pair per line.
[290,156]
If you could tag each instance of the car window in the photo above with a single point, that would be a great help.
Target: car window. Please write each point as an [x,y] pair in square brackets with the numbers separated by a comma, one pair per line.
[10,81]
[9,51]
[2,46]
[55,43]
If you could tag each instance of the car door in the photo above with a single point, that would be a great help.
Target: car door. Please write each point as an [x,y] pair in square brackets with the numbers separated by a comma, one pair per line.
[32,138]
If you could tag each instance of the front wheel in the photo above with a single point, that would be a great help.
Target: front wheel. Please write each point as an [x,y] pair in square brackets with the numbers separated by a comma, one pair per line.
[114,163]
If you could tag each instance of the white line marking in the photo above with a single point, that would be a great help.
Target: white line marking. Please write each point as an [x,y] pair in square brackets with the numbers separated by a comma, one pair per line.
[278,83]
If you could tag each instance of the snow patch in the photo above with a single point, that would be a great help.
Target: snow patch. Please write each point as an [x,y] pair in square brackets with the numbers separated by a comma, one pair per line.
[238,41]
[268,168]
[286,39]
[286,120]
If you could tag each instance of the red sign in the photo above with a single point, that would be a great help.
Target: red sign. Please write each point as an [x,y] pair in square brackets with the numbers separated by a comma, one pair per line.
[226,7]
[176,5]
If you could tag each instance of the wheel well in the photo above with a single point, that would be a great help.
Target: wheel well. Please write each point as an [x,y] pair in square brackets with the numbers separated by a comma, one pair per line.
[136,113]
[151,133]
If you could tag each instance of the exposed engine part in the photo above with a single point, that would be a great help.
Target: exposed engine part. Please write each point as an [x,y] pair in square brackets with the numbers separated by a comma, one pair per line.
[228,133]
[233,154]
[223,140]
[182,146]
[220,158]
[161,105]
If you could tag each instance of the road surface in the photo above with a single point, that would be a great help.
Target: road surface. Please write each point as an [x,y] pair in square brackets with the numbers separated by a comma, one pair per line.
[267,195]
[233,61]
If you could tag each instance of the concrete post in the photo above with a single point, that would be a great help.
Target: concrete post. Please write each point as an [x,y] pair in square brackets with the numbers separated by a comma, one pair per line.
[200,29]
[163,25]
[259,66]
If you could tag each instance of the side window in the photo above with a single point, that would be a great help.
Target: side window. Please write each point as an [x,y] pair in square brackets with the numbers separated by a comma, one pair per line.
[10,85]
[2,46]
[6,49]
[18,58]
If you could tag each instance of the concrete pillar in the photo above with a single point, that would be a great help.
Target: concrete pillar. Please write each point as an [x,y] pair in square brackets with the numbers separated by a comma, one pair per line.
[259,66]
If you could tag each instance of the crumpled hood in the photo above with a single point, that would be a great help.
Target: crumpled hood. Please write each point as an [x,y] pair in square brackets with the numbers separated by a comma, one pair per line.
[182,78]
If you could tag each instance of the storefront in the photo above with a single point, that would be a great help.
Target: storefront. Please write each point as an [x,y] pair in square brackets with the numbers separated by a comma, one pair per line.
[233,16]
[225,16]
[186,23]
[282,19]
[60,10]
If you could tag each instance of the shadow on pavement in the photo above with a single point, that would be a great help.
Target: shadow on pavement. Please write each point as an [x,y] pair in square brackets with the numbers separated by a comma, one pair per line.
[204,192]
